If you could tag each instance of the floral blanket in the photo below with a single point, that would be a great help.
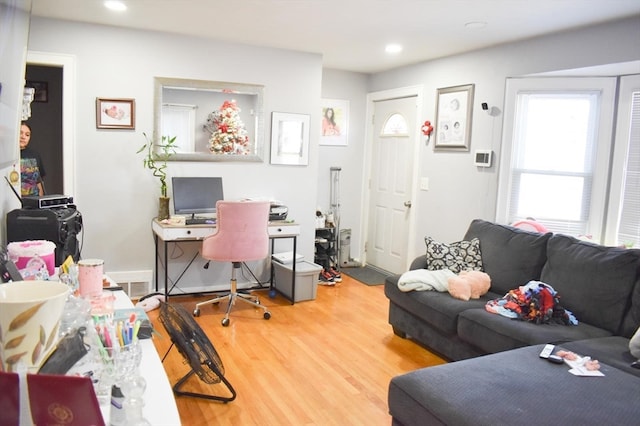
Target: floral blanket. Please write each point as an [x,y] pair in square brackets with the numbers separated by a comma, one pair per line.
[535,302]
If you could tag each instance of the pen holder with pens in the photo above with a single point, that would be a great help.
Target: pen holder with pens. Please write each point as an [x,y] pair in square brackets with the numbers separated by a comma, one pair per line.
[122,361]
[117,352]
[119,348]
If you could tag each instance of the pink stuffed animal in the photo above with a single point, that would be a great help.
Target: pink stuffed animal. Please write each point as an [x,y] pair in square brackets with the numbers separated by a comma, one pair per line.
[469,285]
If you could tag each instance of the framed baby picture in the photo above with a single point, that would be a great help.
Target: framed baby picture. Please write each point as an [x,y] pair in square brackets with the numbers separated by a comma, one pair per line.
[115,113]
[453,118]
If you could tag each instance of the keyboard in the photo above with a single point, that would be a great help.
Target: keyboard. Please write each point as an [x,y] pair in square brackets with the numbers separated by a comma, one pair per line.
[200,221]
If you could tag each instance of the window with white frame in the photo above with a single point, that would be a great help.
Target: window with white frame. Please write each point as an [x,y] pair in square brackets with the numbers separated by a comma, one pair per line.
[623,219]
[556,152]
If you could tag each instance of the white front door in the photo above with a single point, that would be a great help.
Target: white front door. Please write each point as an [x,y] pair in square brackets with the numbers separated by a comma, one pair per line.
[391,185]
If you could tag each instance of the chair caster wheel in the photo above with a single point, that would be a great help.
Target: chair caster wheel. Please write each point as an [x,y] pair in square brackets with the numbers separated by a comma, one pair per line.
[272,293]
[267,315]
[225,322]
[196,312]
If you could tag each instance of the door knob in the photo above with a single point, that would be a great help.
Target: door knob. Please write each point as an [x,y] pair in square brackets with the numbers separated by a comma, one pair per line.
[407,203]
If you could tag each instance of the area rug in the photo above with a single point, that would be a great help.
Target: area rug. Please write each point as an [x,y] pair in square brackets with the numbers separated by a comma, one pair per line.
[367,274]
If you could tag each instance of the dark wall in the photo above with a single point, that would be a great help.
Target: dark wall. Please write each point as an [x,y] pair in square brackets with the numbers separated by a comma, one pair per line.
[46,124]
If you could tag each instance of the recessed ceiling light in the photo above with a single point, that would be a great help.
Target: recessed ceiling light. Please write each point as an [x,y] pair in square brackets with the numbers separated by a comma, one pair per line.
[393,48]
[115,5]
[475,25]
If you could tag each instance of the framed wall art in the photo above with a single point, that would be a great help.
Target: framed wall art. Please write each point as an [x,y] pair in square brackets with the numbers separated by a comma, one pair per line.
[115,113]
[335,122]
[453,118]
[290,139]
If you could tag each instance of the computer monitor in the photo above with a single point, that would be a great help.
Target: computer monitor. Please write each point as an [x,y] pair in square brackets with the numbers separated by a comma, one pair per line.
[196,195]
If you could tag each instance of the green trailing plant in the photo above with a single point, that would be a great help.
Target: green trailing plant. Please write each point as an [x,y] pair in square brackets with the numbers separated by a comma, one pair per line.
[157,161]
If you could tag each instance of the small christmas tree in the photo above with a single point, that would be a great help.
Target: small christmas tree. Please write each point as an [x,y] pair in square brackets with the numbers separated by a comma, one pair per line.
[228,135]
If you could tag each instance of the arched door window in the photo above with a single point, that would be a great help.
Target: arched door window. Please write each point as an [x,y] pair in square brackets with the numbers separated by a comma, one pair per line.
[396,125]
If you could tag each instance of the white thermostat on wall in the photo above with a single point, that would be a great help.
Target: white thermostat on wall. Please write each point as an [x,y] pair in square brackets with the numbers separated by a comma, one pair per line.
[483,157]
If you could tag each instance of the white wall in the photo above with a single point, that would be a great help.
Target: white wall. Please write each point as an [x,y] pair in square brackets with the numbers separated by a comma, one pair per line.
[13,39]
[458,190]
[352,87]
[116,196]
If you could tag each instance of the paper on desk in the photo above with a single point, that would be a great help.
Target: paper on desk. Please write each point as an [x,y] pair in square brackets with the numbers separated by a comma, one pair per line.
[578,367]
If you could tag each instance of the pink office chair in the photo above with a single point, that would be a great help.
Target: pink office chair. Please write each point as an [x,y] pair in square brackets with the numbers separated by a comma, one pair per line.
[241,236]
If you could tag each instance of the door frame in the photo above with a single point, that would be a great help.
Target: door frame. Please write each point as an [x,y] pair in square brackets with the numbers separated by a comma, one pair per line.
[68,65]
[384,95]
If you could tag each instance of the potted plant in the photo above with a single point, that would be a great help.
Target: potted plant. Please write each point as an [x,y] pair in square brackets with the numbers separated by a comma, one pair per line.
[157,163]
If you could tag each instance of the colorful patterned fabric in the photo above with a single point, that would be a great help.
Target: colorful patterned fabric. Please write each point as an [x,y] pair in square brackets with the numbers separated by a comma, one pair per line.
[535,302]
[31,172]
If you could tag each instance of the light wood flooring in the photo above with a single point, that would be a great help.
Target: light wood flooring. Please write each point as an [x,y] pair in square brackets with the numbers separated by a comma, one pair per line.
[322,362]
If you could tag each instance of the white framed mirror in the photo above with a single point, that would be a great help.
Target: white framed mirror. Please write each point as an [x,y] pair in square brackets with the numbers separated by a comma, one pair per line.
[211,120]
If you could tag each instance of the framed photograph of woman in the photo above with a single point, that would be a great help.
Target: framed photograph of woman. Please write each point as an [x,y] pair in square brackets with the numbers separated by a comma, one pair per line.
[453,118]
[115,113]
[335,122]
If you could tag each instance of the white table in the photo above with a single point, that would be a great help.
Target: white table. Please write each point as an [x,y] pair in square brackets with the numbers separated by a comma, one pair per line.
[160,404]
[169,233]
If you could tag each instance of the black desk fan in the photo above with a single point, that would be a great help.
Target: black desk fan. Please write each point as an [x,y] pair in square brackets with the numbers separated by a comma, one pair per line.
[197,350]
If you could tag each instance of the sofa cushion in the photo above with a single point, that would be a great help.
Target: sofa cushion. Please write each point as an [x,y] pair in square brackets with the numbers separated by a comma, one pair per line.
[457,256]
[631,320]
[439,310]
[613,351]
[512,257]
[593,281]
[495,333]
[512,388]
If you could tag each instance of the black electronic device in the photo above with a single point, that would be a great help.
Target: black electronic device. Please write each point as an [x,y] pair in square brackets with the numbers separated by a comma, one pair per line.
[555,359]
[197,350]
[278,212]
[46,201]
[196,195]
[8,270]
[58,225]
[200,221]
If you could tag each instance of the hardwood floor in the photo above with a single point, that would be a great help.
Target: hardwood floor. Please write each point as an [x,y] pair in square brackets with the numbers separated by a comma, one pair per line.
[321,362]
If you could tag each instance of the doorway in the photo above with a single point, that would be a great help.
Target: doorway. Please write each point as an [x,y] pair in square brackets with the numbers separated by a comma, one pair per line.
[46,122]
[65,64]
[393,155]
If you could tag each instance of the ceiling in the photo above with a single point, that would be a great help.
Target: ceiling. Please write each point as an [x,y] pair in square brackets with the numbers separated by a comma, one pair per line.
[351,34]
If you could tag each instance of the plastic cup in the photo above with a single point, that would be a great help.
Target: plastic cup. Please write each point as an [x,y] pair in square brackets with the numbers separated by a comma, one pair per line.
[90,273]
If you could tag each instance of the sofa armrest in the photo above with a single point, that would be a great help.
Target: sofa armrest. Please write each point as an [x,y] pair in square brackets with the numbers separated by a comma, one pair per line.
[419,262]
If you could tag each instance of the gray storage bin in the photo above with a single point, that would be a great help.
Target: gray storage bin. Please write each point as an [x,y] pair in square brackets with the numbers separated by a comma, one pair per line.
[307,275]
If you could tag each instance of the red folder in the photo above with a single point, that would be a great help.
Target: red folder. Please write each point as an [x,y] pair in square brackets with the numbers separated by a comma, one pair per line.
[54,400]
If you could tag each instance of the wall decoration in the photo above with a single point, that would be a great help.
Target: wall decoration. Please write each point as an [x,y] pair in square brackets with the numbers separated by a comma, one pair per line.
[212,120]
[335,122]
[453,118]
[228,133]
[115,113]
[290,139]
[41,90]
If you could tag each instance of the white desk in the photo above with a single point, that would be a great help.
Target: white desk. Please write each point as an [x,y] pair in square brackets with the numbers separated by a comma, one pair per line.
[168,233]
[160,404]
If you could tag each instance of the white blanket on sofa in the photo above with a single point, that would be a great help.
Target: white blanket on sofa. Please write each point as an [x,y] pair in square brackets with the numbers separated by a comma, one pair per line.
[422,279]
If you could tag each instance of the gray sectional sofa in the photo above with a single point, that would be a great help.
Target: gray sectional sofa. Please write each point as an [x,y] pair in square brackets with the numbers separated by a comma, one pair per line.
[599,285]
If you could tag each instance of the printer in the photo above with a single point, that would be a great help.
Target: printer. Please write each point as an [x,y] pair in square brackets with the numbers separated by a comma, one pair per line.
[278,212]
